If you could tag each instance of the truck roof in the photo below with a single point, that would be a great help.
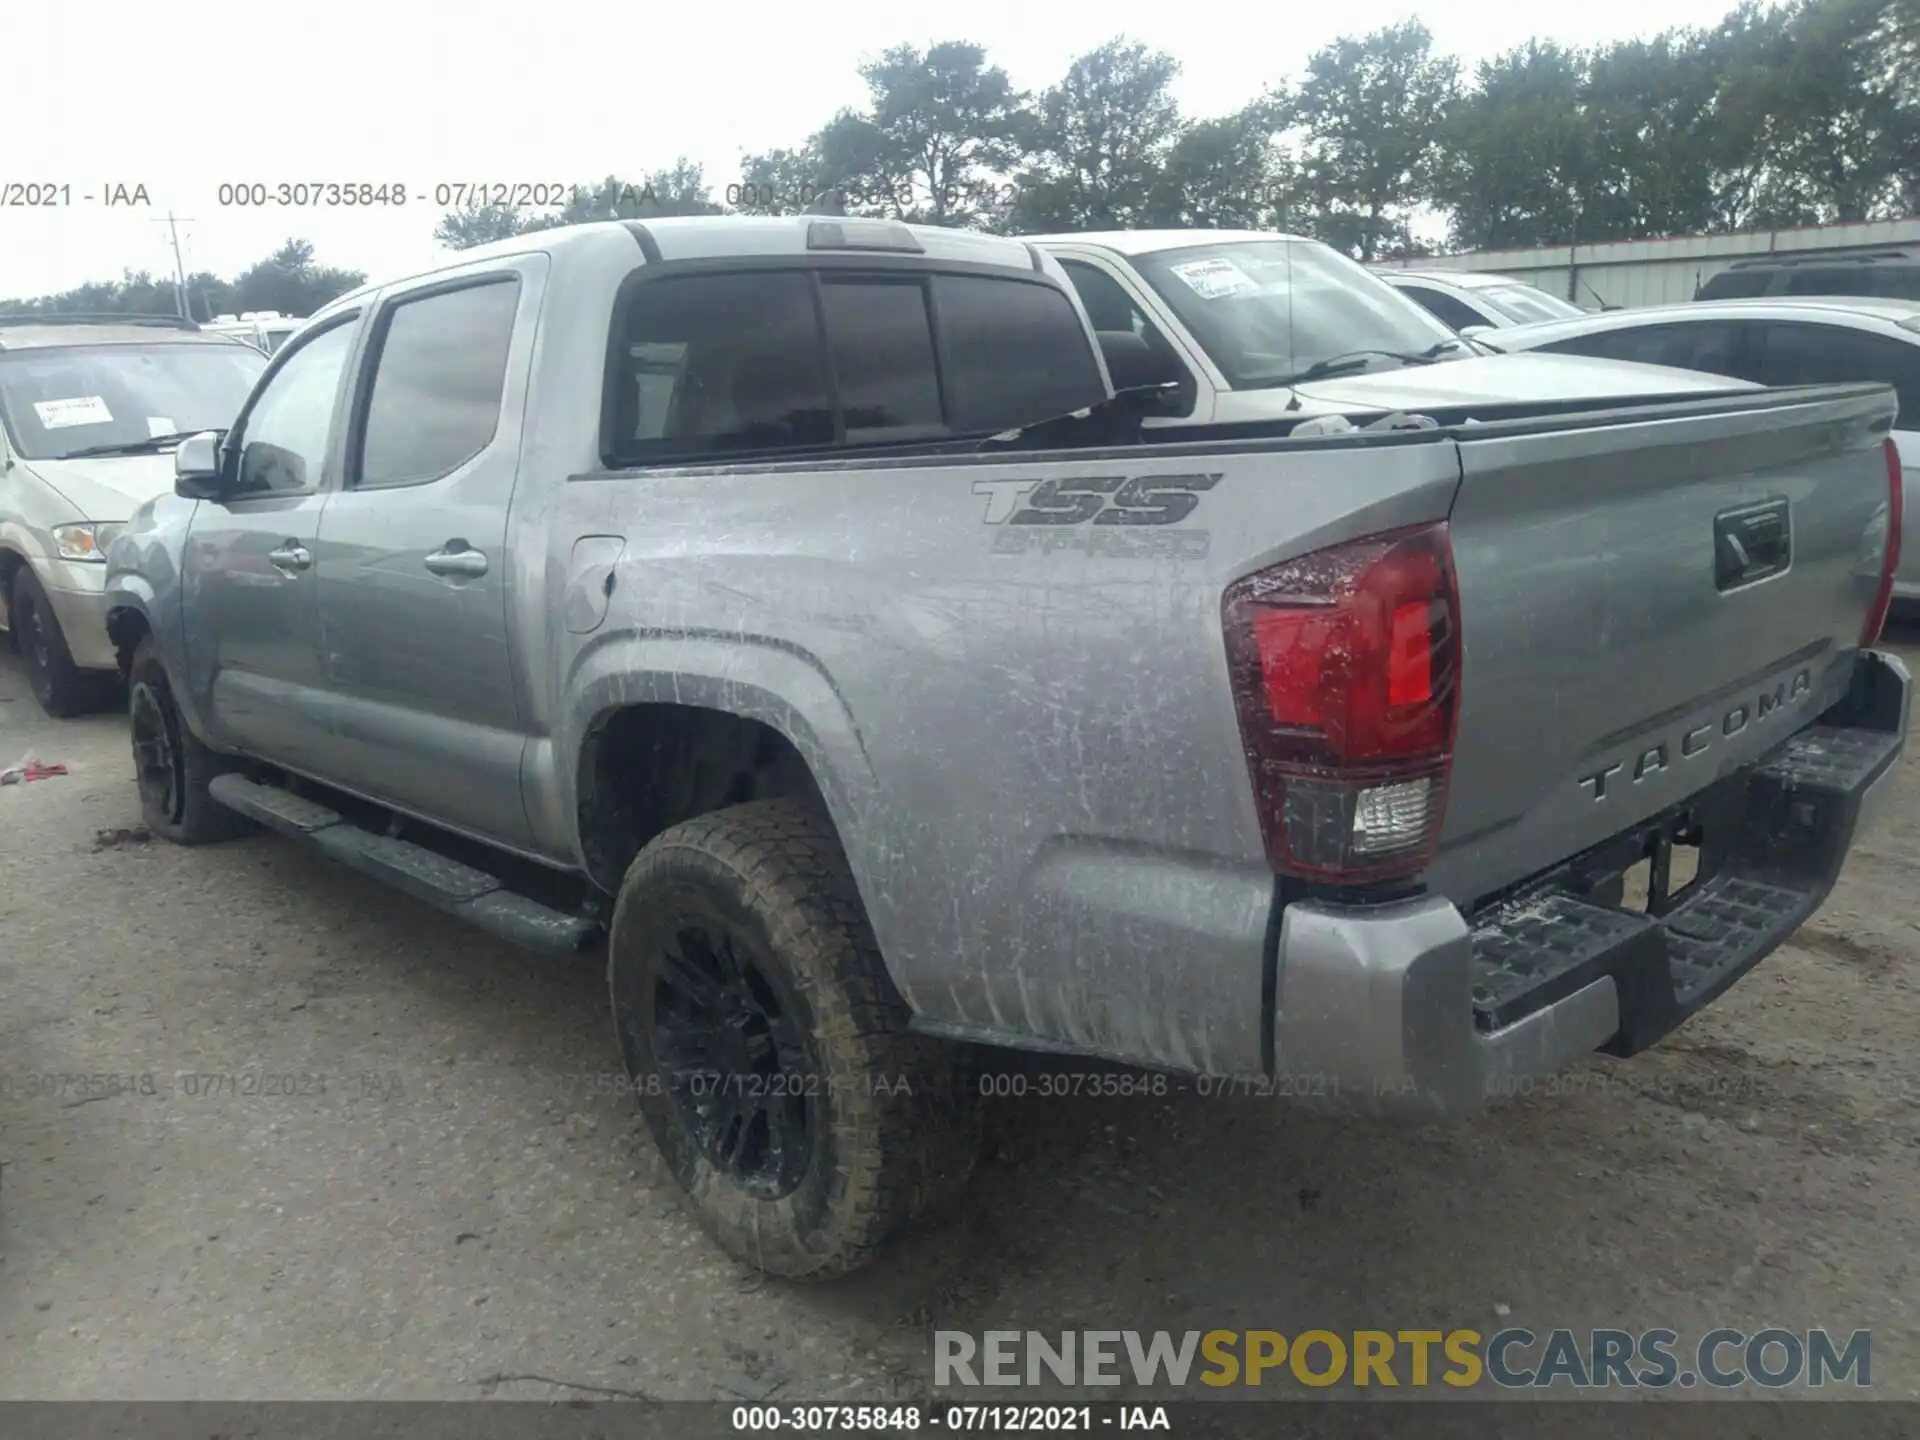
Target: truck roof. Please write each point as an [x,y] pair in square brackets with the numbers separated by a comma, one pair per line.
[700,237]
[38,332]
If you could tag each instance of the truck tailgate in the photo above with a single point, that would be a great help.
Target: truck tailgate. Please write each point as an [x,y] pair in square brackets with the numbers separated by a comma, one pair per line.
[1647,602]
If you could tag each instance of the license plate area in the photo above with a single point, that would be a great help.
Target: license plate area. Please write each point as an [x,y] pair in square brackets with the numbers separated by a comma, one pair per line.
[1649,870]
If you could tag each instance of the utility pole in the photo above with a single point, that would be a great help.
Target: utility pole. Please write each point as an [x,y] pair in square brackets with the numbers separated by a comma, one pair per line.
[179,266]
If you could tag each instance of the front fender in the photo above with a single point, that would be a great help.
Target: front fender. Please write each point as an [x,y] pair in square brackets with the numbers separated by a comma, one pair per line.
[144,579]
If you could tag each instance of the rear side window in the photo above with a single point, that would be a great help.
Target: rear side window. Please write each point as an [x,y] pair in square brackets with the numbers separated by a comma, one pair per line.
[1015,352]
[881,340]
[1799,354]
[1736,285]
[1895,282]
[1443,307]
[716,363]
[437,383]
[792,359]
[1713,347]
[1831,280]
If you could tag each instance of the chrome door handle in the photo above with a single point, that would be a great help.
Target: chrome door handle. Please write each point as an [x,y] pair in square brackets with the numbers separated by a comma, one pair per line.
[291,556]
[457,561]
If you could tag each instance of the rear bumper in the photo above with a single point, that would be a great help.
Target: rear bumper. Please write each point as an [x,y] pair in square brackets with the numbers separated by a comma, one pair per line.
[1414,1008]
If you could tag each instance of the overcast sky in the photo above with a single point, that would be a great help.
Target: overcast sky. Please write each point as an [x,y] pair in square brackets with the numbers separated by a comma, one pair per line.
[182,98]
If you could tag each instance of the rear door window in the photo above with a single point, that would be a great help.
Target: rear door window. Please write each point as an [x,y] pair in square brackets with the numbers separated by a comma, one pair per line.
[1807,354]
[1015,352]
[1830,280]
[711,364]
[1714,347]
[1896,282]
[881,340]
[1736,285]
[1444,307]
[794,359]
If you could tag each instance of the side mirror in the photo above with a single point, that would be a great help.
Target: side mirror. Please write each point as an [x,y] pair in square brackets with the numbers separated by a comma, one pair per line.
[1153,382]
[6,451]
[1476,332]
[198,471]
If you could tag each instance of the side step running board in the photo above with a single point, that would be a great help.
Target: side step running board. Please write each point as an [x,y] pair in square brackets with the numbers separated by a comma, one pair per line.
[461,890]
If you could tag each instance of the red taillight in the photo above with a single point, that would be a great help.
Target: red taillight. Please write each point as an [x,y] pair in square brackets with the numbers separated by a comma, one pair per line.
[1346,674]
[1890,557]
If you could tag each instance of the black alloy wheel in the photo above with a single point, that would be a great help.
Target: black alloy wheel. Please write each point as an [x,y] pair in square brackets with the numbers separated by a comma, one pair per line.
[732,1053]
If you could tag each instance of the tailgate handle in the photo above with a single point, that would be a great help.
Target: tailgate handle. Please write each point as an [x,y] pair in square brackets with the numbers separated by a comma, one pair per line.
[1751,543]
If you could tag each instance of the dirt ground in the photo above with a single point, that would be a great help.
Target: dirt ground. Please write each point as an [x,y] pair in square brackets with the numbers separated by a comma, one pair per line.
[454,1202]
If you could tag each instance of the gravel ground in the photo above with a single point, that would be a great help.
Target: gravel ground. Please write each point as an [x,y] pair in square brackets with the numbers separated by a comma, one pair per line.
[419,1182]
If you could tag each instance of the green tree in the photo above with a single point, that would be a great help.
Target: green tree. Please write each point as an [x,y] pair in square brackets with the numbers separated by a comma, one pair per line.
[1646,106]
[1810,124]
[473,225]
[779,182]
[290,282]
[1370,111]
[1515,151]
[1227,174]
[1100,142]
[941,129]
[208,295]
[680,189]
[1890,56]
[1854,145]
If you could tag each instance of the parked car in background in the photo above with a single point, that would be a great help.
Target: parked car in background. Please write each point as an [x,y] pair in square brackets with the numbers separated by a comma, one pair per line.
[90,411]
[1771,342]
[800,596]
[1465,299]
[1878,274]
[267,329]
[1248,326]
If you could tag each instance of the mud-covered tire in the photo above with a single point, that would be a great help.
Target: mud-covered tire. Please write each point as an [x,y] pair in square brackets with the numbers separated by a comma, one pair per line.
[890,1131]
[63,689]
[170,766]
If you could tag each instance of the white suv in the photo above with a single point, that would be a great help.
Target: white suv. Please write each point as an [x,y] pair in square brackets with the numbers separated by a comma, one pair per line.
[91,408]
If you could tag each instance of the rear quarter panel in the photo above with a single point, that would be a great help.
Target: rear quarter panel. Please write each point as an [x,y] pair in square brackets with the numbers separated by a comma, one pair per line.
[1024,730]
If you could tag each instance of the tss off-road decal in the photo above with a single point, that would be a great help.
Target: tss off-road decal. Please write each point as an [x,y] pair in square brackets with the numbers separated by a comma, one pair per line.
[1046,514]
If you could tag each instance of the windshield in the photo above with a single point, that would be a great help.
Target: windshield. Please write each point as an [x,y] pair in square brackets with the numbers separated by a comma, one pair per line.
[66,398]
[1525,303]
[1267,309]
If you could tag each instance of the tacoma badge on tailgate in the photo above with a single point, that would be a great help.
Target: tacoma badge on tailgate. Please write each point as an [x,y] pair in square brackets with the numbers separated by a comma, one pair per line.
[1663,756]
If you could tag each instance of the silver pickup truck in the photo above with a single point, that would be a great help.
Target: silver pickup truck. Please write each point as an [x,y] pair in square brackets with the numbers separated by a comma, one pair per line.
[791,602]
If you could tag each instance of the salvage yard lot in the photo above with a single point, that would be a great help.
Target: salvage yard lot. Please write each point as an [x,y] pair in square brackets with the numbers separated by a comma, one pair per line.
[387,1157]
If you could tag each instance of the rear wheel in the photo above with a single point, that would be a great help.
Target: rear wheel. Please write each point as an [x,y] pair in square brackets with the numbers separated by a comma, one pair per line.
[769,1049]
[62,688]
[170,766]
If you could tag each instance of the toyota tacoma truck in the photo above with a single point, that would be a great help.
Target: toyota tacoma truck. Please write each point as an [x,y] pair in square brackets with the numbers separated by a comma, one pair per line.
[793,605]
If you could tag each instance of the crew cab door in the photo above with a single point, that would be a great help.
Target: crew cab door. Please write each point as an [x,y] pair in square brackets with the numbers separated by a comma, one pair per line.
[253,644]
[411,556]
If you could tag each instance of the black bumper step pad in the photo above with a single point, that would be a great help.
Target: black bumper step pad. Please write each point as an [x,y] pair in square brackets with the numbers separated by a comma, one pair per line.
[1790,819]
[1530,952]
